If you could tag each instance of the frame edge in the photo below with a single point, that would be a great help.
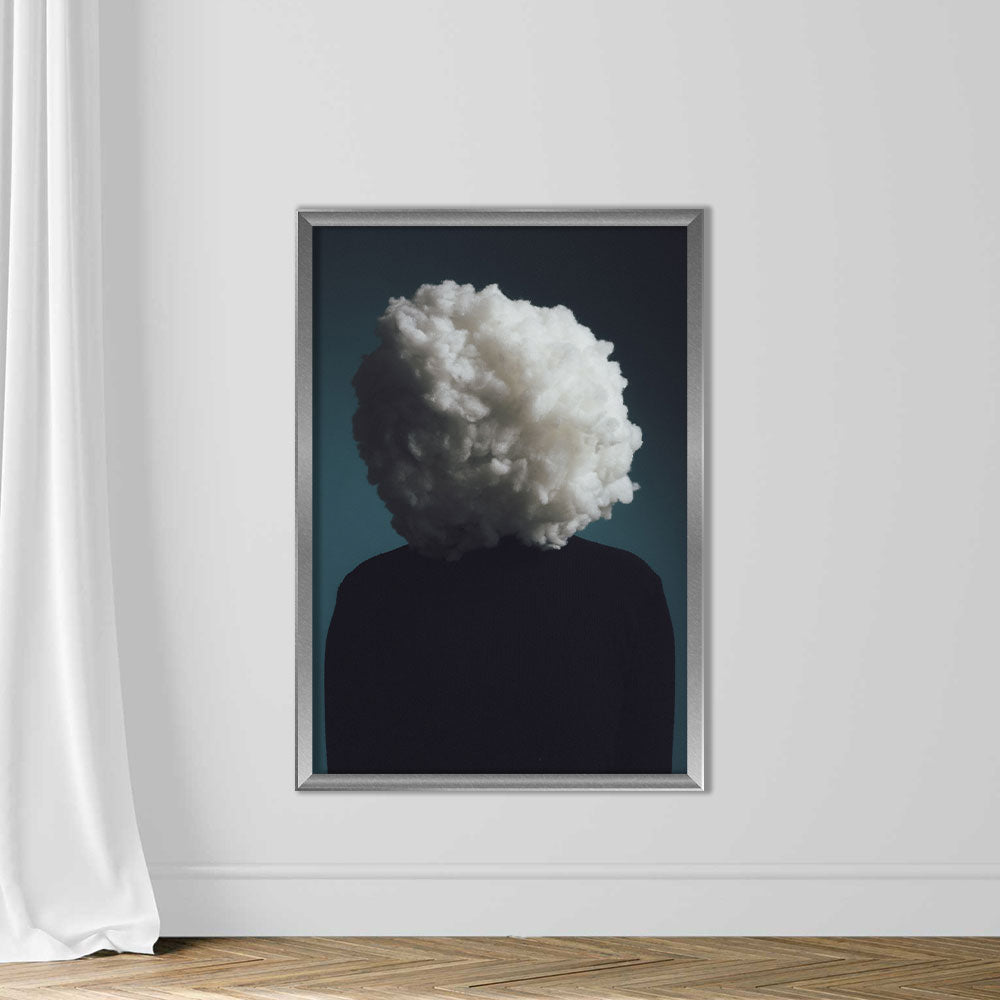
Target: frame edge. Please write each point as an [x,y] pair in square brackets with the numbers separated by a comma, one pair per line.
[693,219]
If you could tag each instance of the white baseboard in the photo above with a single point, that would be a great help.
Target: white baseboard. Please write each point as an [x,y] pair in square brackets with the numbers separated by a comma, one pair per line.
[614,871]
[578,899]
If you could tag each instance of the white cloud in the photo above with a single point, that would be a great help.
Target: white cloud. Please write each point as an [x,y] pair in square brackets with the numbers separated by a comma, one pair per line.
[480,416]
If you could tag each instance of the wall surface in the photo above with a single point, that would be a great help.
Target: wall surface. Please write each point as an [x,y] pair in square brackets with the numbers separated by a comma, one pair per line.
[848,154]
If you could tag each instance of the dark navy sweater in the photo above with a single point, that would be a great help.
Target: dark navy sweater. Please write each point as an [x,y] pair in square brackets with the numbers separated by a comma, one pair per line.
[509,660]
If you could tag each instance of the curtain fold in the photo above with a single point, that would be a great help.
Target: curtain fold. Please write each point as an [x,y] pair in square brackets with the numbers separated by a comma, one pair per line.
[73,879]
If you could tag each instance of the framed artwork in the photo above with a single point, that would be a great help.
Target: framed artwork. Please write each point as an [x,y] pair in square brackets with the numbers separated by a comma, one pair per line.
[499,468]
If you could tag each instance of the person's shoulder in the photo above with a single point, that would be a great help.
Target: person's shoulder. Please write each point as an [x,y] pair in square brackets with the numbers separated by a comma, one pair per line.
[377,569]
[622,563]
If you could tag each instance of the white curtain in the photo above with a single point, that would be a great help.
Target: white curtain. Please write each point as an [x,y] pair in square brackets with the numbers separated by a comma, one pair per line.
[73,879]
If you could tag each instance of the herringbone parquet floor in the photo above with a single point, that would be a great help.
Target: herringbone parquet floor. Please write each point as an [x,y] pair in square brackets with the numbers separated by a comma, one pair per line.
[534,968]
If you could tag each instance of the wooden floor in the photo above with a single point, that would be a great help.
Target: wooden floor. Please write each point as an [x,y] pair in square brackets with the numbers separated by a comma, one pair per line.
[537,968]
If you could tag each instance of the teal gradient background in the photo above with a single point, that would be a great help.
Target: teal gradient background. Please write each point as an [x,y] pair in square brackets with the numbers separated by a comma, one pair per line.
[628,284]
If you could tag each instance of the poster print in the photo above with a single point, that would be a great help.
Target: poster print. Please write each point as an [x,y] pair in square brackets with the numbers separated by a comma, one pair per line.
[498,499]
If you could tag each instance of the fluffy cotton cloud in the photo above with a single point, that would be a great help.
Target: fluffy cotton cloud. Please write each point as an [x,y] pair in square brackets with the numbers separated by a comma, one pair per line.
[480,416]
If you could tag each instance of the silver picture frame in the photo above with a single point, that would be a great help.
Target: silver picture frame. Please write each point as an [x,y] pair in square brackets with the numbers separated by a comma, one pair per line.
[308,219]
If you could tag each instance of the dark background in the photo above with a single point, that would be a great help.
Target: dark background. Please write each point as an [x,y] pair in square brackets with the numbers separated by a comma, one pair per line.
[627,283]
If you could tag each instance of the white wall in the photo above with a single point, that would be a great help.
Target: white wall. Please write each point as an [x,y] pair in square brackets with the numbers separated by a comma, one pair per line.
[848,151]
